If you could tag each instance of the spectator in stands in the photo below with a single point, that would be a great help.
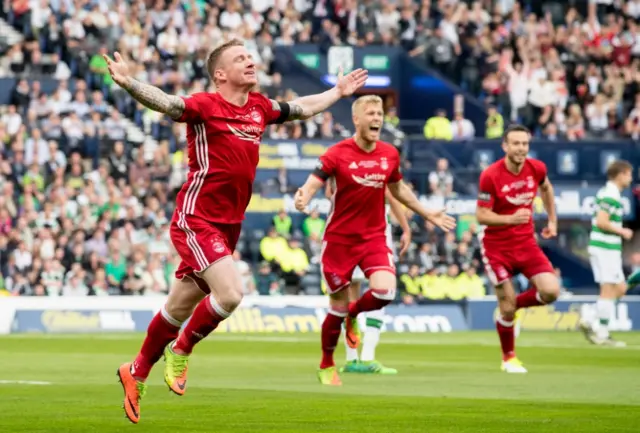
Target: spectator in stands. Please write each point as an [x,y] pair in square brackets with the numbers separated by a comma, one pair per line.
[313,225]
[411,289]
[273,246]
[267,282]
[461,128]
[441,180]
[282,223]
[438,127]
[294,264]
[494,127]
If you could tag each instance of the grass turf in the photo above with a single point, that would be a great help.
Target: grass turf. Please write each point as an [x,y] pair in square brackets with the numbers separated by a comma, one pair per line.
[266,383]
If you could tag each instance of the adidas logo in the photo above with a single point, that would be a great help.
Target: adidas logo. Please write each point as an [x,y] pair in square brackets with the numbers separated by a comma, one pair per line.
[353,166]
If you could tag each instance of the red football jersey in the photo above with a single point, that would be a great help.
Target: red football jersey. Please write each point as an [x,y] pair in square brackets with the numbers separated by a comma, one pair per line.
[504,193]
[223,142]
[358,212]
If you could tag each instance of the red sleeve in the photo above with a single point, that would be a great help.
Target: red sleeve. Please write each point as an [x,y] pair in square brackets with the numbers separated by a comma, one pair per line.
[541,170]
[274,111]
[396,175]
[326,166]
[193,107]
[486,190]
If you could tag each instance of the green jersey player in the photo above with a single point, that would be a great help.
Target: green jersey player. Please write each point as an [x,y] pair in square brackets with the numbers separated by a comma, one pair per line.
[605,252]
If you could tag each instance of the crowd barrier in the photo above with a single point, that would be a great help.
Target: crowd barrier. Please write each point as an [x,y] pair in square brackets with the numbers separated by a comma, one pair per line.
[292,314]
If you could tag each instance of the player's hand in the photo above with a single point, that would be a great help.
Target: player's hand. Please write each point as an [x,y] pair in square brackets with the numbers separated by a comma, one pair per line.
[118,69]
[627,234]
[442,220]
[405,242]
[550,231]
[522,216]
[300,200]
[348,84]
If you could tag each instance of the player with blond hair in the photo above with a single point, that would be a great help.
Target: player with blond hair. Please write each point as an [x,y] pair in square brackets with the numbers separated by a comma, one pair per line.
[371,323]
[363,167]
[224,130]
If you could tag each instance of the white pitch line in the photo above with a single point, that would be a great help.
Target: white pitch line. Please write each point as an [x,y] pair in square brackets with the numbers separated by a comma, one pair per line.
[24,382]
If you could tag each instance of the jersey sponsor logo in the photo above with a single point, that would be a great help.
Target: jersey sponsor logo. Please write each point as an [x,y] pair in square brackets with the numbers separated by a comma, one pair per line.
[368,164]
[384,164]
[247,133]
[522,199]
[353,166]
[484,196]
[370,180]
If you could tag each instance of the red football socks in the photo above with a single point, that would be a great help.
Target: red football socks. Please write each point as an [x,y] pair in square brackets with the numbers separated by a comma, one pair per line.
[507,338]
[206,317]
[161,331]
[368,302]
[530,298]
[331,329]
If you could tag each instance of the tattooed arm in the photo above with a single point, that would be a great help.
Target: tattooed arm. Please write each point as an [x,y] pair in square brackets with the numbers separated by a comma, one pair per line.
[308,106]
[154,98]
[148,95]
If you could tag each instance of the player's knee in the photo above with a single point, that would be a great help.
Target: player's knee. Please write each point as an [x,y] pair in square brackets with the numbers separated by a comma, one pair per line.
[508,312]
[179,311]
[230,299]
[550,291]
[384,294]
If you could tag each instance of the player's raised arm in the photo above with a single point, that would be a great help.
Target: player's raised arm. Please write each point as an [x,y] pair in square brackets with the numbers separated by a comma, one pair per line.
[401,217]
[346,85]
[148,95]
[484,209]
[404,195]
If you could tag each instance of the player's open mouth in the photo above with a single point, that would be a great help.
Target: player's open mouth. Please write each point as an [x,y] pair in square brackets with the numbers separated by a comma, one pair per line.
[374,128]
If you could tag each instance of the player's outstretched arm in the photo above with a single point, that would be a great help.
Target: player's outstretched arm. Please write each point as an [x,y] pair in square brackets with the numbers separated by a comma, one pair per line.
[405,196]
[346,85]
[401,217]
[306,192]
[148,95]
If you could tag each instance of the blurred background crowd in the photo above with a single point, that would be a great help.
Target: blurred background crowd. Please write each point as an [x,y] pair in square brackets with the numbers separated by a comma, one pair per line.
[88,176]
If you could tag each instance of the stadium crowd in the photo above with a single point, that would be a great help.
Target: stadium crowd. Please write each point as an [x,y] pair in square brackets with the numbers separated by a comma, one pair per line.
[85,210]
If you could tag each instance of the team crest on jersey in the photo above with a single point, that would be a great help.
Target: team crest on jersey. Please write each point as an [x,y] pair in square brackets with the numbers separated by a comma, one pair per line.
[218,247]
[255,116]
[384,164]
[530,182]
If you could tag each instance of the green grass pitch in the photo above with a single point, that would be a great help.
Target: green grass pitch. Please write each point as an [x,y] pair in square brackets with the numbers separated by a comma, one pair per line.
[266,383]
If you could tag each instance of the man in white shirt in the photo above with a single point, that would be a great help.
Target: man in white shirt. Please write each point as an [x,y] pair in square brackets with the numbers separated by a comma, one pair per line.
[461,128]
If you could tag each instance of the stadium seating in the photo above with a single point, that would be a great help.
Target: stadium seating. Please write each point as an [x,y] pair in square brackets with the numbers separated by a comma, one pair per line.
[540,63]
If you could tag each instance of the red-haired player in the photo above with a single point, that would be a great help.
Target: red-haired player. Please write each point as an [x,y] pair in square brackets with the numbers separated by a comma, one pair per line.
[224,130]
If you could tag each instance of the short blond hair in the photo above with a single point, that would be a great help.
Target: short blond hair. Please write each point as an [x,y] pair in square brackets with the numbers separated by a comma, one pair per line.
[214,57]
[364,100]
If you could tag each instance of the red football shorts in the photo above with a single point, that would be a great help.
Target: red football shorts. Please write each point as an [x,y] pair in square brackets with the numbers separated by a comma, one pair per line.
[201,244]
[502,262]
[339,261]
